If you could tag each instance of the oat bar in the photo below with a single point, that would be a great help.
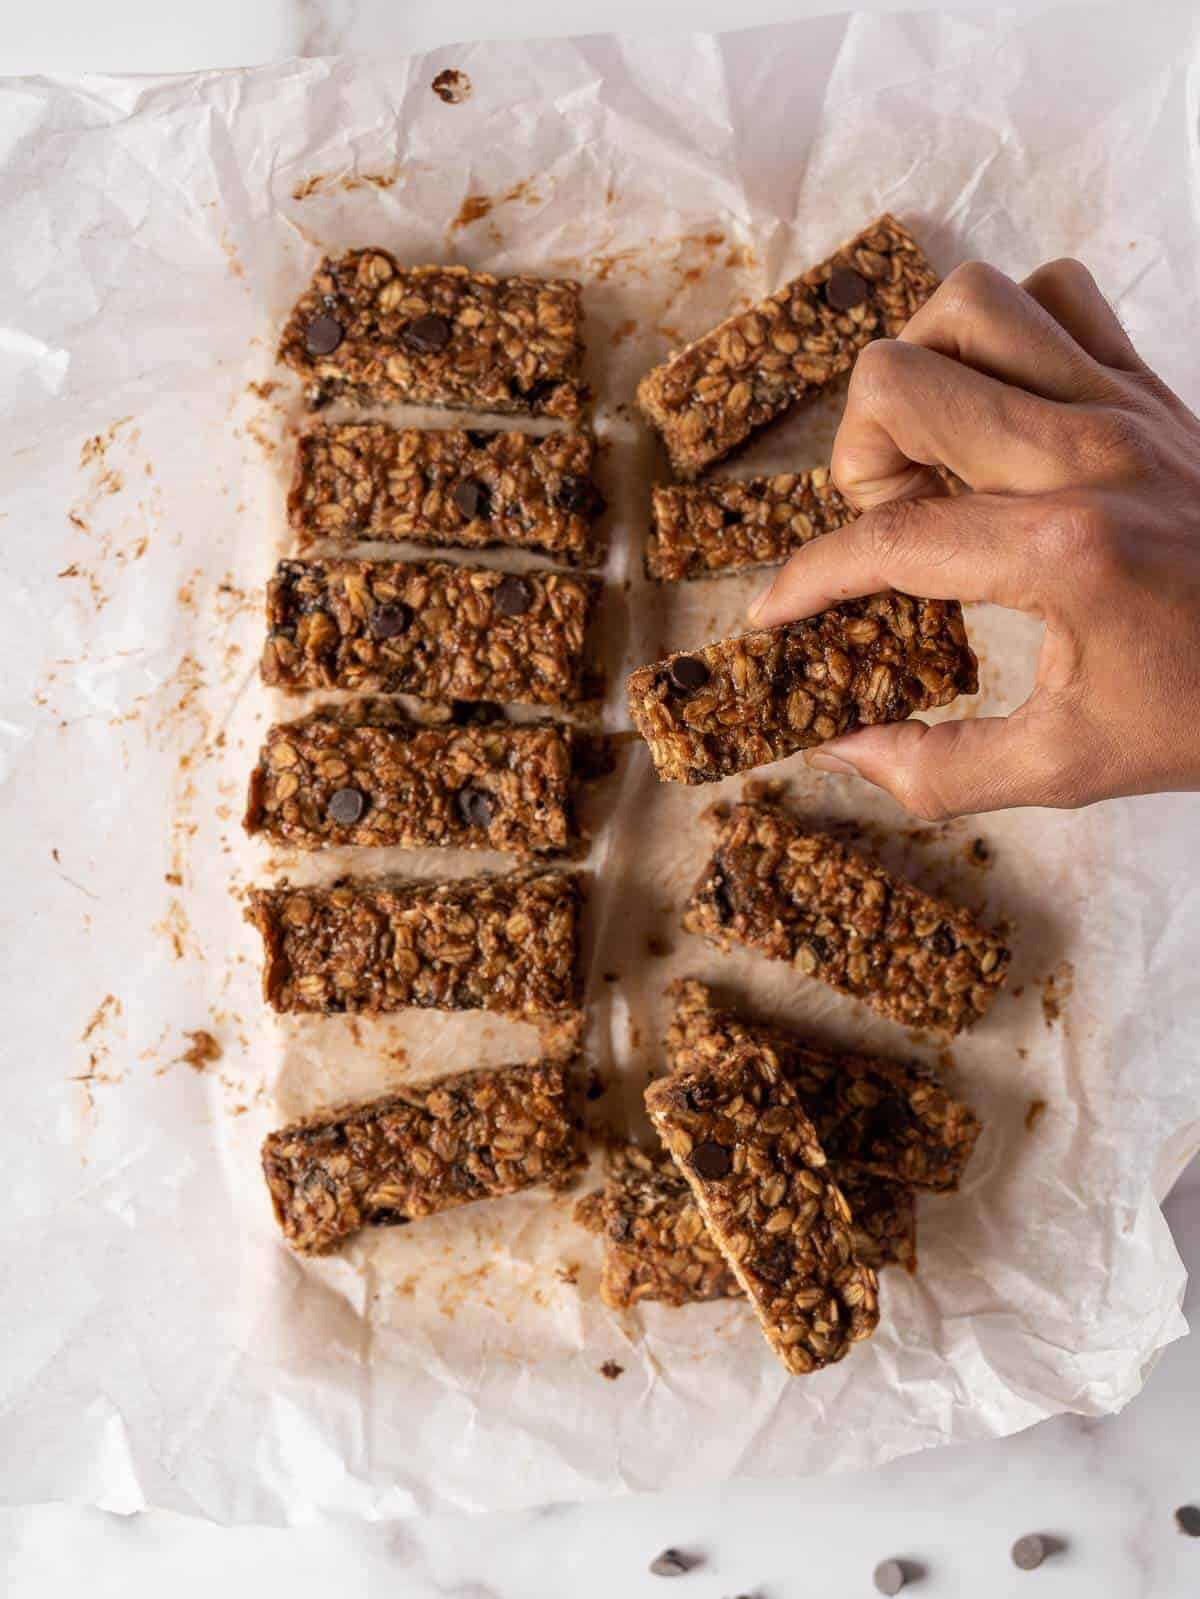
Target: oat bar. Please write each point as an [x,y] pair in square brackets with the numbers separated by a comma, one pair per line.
[418,1151]
[874,1117]
[745,701]
[656,1246]
[759,1176]
[803,897]
[729,525]
[365,774]
[374,332]
[507,944]
[458,487]
[427,628]
[710,397]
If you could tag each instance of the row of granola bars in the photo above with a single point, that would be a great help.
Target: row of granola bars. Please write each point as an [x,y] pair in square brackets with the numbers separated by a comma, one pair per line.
[786,1173]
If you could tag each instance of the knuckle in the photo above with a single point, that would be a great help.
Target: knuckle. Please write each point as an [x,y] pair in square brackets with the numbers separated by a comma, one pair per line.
[1066,273]
[1077,537]
[970,286]
[1116,440]
[876,370]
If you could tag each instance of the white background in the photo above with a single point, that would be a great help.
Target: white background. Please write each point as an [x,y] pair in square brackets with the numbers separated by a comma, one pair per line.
[1107,1489]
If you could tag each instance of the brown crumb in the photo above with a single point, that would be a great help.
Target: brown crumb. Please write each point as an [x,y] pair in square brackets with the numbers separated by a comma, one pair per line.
[452,86]
[623,330]
[1056,990]
[568,1273]
[658,947]
[978,853]
[1034,1113]
[611,1370]
[174,878]
[595,1087]
[202,1051]
[1022,1052]
[264,391]
[473,209]
[1018,991]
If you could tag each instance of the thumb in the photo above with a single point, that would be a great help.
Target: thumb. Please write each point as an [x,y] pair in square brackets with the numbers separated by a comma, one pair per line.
[956,768]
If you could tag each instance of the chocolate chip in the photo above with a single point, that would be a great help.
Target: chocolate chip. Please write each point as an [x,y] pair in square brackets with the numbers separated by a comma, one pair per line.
[512,597]
[389,1218]
[540,389]
[1029,1552]
[845,289]
[819,947]
[722,900]
[389,621]
[479,438]
[427,334]
[473,499]
[1187,1519]
[775,1264]
[889,1577]
[688,673]
[672,1563]
[323,335]
[711,1159]
[942,942]
[345,806]
[574,493]
[475,806]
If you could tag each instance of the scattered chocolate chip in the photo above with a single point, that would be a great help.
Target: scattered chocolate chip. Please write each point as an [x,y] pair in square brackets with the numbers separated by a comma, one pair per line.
[323,335]
[345,806]
[672,1563]
[574,493]
[889,1577]
[475,806]
[1187,1519]
[845,289]
[1029,1552]
[427,334]
[711,1159]
[389,1218]
[512,597]
[389,621]
[611,1370]
[473,499]
[942,941]
[688,673]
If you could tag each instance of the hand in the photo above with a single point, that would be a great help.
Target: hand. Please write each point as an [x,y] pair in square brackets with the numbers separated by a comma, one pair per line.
[1085,512]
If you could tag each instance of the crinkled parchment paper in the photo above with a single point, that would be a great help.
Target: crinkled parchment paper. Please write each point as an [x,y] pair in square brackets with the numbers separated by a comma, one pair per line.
[161,1347]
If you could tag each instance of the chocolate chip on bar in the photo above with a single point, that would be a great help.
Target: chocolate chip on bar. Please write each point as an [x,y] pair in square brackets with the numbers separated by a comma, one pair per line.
[875,1117]
[746,701]
[465,487]
[729,525]
[420,1150]
[374,332]
[507,944]
[712,396]
[803,897]
[736,1130]
[428,628]
[365,774]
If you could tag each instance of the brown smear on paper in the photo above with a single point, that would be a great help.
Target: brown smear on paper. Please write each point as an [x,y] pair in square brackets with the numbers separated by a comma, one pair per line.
[476,207]
[202,1051]
[320,183]
[1056,990]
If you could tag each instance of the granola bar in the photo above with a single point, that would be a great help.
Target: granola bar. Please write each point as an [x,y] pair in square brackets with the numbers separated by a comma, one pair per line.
[458,487]
[728,525]
[803,897]
[418,1151]
[374,332]
[745,701]
[656,1246]
[507,944]
[365,774]
[712,396]
[759,1176]
[428,628]
[874,1117]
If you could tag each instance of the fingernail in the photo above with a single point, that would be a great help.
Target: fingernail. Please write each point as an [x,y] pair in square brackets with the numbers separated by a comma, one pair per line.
[759,600]
[825,762]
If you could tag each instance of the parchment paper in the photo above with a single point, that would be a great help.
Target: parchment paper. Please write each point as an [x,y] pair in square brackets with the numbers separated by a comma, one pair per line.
[161,1346]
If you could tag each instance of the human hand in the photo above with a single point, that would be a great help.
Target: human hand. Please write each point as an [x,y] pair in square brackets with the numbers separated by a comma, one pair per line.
[1085,512]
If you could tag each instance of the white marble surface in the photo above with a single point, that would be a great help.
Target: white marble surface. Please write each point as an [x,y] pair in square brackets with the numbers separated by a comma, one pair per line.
[1107,1490]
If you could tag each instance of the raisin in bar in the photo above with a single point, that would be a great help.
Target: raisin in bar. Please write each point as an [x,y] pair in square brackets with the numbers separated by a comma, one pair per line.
[746,701]
[373,332]
[459,487]
[507,944]
[729,525]
[420,1150]
[803,897]
[712,396]
[656,1246]
[365,774]
[737,1132]
[427,628]
[874,1117]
